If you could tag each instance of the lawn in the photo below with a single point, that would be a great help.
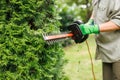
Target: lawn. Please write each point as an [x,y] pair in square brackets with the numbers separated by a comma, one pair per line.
[78,66]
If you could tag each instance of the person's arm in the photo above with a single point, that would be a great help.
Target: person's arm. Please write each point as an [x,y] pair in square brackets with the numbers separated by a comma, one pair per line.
[90,27]
[104,27]
[92,17]
[108,26]
[91,20]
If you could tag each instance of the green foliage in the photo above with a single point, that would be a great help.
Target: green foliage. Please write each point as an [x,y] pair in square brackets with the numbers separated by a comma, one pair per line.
[78,9]
[23,52]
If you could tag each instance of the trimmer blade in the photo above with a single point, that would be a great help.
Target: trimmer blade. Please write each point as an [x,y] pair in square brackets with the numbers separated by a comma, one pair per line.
[50,39]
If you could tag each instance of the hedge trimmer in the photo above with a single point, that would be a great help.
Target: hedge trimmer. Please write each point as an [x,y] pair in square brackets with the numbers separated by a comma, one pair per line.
[74,33]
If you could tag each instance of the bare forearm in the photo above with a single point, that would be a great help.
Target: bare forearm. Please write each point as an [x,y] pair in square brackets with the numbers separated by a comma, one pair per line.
[91,17]
[108,26]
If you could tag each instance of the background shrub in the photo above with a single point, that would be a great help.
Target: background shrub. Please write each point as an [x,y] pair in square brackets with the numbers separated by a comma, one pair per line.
[23,52]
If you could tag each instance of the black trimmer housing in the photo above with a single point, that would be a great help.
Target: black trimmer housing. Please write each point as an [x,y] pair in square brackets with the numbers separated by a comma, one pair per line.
[78,37]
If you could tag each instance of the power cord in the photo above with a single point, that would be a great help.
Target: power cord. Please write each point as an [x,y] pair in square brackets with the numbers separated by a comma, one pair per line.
[92,65]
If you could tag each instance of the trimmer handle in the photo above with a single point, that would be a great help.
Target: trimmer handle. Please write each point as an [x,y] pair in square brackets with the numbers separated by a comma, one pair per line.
[78,37]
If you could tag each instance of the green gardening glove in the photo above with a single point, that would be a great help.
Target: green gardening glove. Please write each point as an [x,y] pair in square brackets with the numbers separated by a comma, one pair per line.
[90,22]
[89,29]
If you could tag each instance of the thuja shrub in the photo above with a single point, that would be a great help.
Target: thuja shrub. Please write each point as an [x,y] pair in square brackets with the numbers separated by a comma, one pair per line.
[24,55]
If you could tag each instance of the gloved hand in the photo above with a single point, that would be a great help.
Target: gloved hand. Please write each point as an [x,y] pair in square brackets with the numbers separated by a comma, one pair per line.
[90,22]
[78,36]
[89,29]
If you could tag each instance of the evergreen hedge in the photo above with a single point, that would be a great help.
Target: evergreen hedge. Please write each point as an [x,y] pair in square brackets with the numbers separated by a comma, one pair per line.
[24,55]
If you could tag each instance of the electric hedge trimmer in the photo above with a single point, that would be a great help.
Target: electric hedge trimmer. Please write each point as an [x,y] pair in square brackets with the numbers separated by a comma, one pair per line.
[77,34]
[74,33]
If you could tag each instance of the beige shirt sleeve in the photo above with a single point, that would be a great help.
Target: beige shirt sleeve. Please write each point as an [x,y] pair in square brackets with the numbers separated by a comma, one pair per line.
[115,12]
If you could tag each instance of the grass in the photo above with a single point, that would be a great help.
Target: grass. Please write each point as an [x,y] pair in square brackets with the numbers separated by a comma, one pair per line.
[79,64]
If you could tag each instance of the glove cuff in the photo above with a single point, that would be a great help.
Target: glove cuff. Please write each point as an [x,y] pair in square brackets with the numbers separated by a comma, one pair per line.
[88,29]
[96,29]
[90,22]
